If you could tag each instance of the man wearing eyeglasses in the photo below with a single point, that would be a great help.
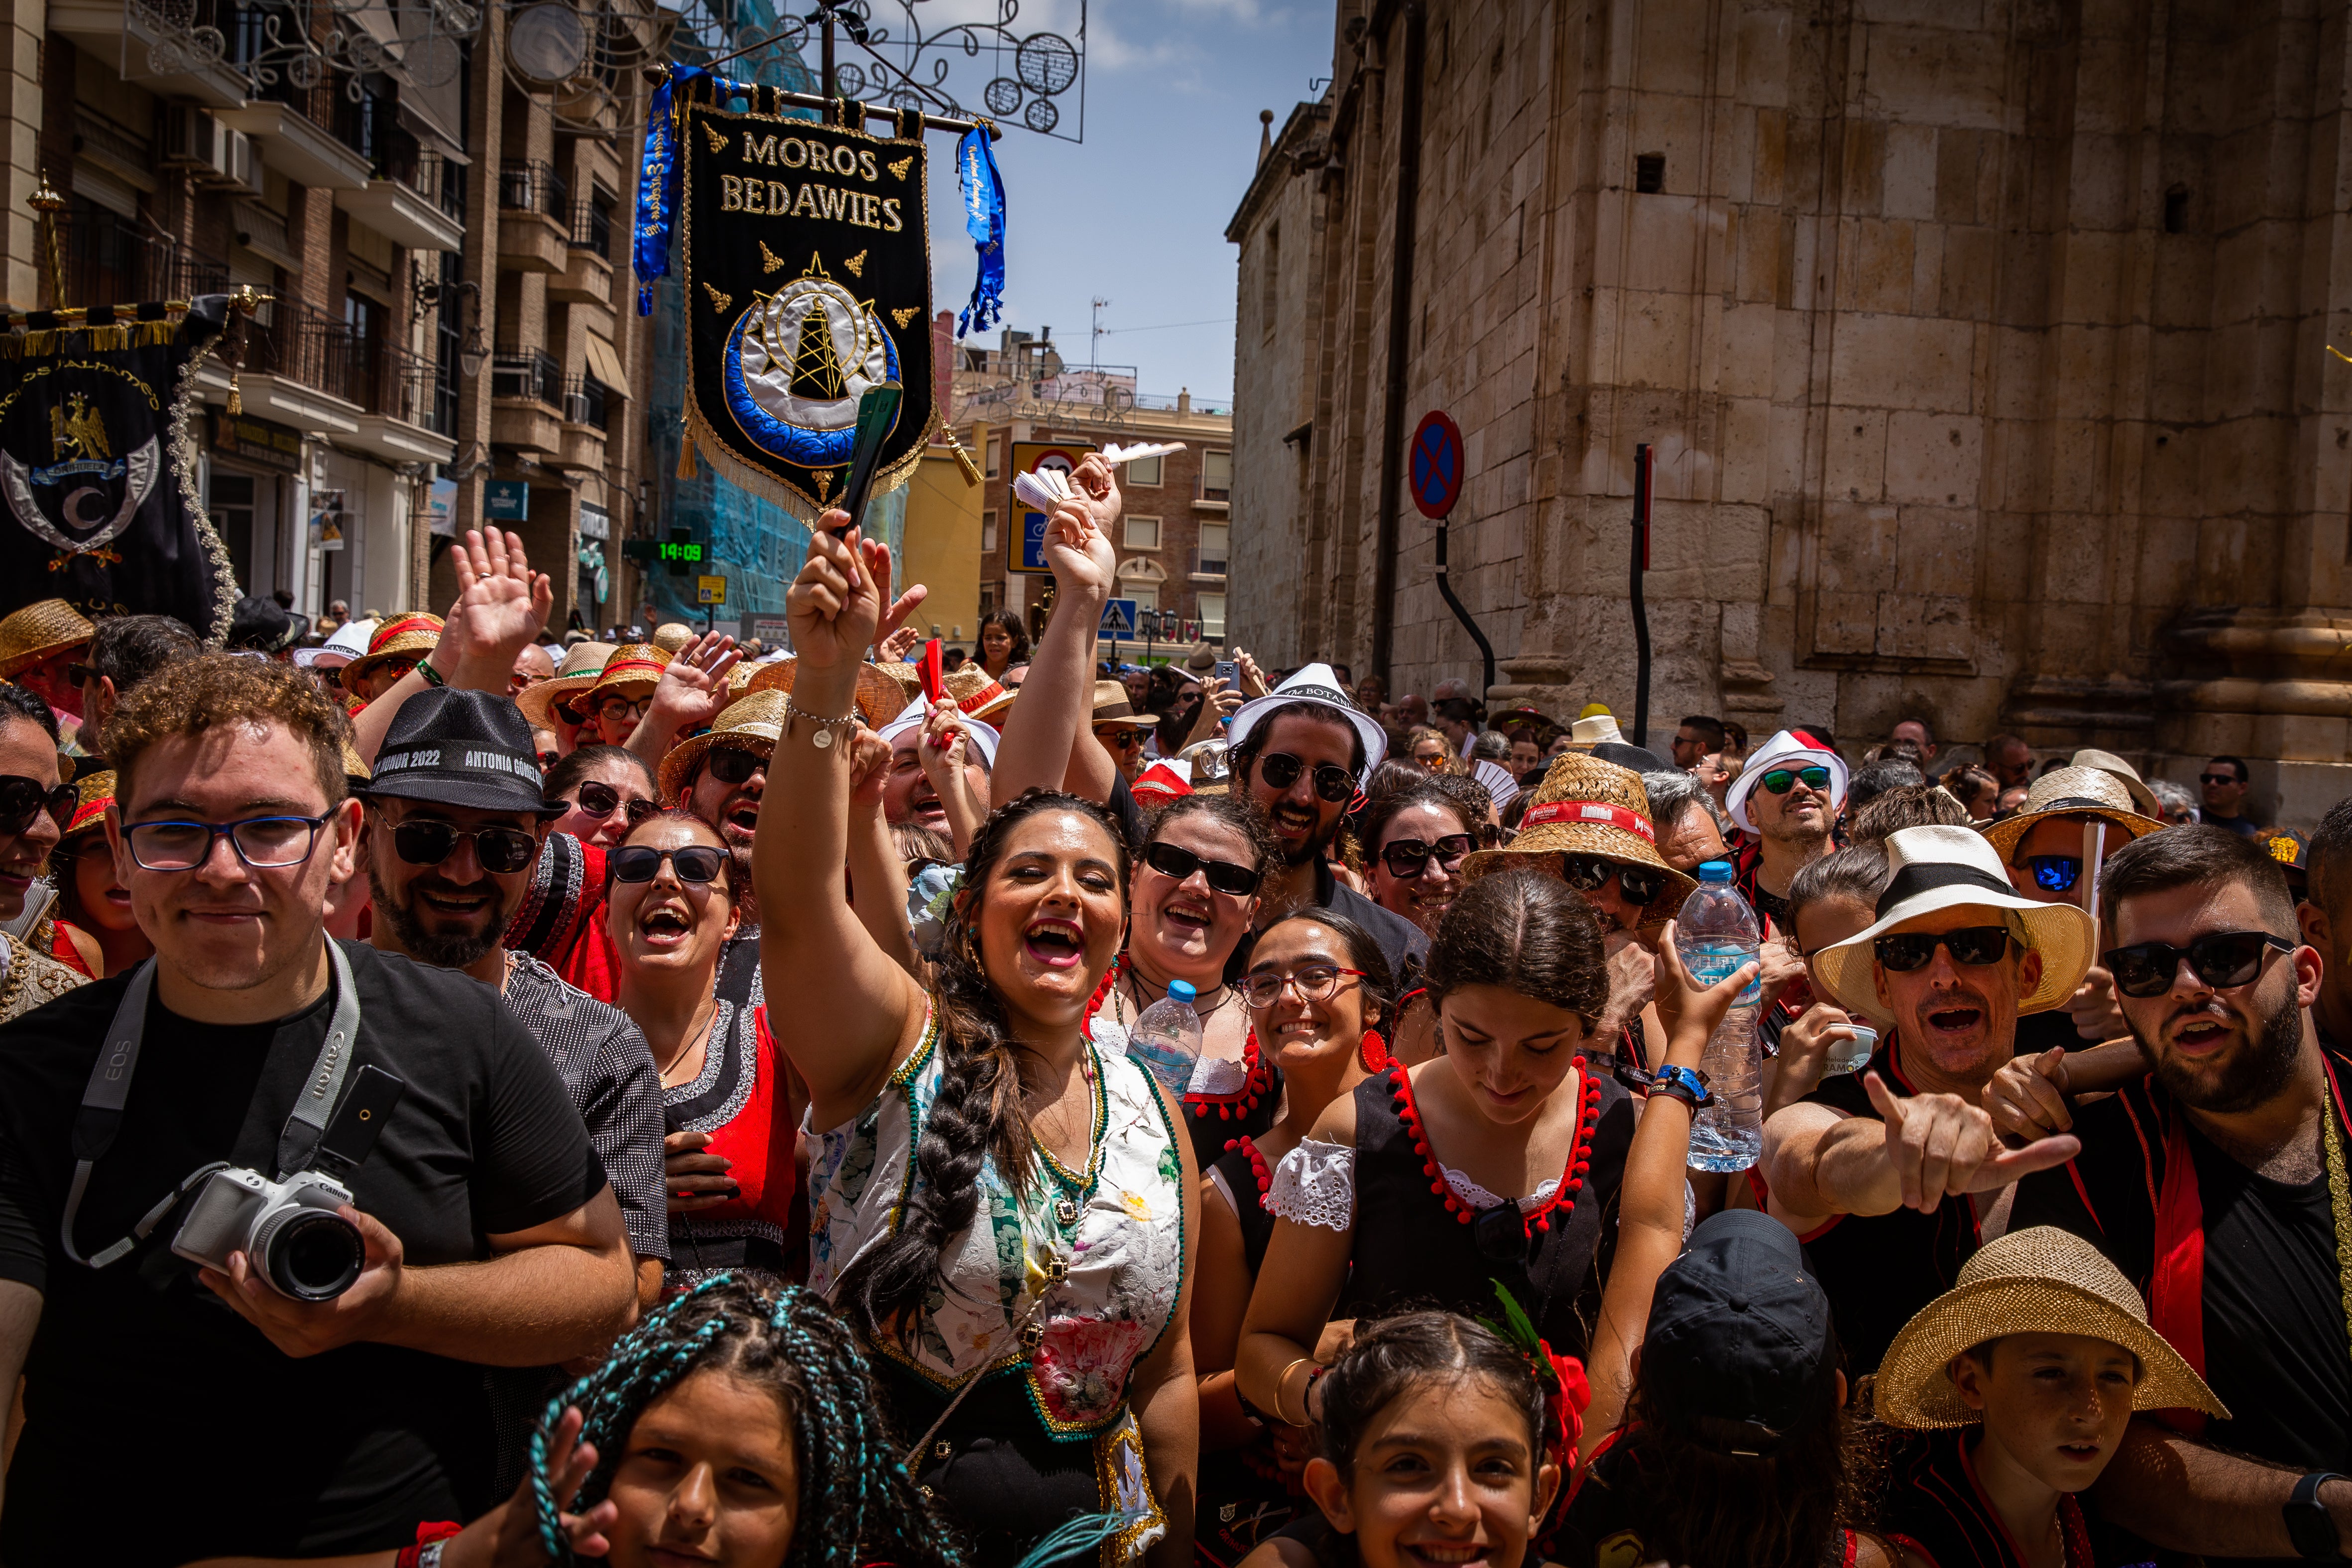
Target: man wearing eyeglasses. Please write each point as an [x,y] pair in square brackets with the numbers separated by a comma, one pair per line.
[492,1235]
[456,823]
[2217,1185]
[1299,754]
[1881,1172]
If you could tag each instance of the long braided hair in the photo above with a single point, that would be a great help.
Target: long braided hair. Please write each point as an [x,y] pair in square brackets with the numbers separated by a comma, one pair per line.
[979,1111]
[858,1504]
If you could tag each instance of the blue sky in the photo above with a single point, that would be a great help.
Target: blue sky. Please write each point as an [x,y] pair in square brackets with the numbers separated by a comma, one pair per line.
[1136,214]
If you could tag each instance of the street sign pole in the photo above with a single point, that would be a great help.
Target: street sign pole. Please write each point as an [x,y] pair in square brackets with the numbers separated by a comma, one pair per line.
[1438,463]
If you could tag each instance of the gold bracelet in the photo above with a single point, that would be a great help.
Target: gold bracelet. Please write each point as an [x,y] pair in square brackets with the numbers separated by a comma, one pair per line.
[825,727]
[1280,1379]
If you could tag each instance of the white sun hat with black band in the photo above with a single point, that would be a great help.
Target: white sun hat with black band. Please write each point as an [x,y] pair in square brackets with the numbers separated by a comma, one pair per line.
[1939,867]
[1318,684]
[1790,749]
[983,734]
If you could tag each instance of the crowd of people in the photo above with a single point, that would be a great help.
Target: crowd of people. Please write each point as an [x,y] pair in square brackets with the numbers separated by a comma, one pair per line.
[400,1148]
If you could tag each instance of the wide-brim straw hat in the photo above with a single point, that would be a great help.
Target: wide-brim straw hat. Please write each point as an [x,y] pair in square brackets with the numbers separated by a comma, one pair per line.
[759,717]
[2044,1280]
[38,632]
[878,696]
[980,694]
[1587,806]
[671,636]
[2108,762]
[399,635]
[1937,868]
[632,671]
[2075,792]
[582,663]
[910,679]
[90,811]
[1112,706]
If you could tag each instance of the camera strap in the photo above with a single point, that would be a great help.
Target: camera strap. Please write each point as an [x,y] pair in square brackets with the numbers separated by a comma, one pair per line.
[101,1116]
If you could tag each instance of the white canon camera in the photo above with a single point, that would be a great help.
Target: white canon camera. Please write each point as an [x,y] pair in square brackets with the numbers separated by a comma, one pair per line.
[290,1231]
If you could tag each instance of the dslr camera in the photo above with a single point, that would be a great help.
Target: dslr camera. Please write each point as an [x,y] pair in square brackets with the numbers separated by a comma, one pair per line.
[290,1231]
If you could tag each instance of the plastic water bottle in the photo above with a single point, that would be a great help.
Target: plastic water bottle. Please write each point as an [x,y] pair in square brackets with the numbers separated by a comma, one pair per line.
[1716,934]
[1165,1041]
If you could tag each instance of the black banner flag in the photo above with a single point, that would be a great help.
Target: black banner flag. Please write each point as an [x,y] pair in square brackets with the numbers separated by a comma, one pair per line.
[98,465]
[808,278]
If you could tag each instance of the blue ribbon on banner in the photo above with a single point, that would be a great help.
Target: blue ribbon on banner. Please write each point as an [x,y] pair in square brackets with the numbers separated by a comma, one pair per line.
[657,187]
[983,219]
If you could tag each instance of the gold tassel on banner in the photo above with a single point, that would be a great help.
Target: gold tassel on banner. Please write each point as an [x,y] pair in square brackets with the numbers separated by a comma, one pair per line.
[236,396]
[964,459]
[686,464]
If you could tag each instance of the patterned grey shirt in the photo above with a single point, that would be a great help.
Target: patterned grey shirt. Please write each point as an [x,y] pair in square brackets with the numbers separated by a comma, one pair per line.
[604,1064]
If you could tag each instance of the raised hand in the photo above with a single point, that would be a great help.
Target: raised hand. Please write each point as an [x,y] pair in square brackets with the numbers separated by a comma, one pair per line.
[1078,549]
[869,769]
[507,1536]
[1093,482]
[1253,681]
[942,747]
[1696,1012]
[693,688]
[894,619]
[501,605]
[898,647]
[1940,1146]
[2094,1010]
[834,605]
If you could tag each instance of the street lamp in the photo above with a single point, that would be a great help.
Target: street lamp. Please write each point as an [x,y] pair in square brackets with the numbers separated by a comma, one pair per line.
[471,356]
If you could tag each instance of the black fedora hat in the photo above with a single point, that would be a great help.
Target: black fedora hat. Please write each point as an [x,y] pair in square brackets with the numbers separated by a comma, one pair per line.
[462,748]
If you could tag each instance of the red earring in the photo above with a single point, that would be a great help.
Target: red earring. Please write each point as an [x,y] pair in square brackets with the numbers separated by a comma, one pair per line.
[1372,1052]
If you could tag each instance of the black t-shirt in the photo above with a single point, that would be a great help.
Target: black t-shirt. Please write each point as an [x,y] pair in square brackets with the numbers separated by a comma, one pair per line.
[1400,939]
[247,1449]
[2275,1338]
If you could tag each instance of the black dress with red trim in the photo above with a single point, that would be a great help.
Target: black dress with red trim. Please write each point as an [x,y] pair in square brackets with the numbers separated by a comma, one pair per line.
[1244,1495]
[1215,1121]
[1601,1526]
[2240,1271]
[1934,1506]
[1418,1245]
[1879,1269]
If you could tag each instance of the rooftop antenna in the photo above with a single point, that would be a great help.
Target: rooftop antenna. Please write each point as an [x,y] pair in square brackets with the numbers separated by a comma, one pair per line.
[1094,357]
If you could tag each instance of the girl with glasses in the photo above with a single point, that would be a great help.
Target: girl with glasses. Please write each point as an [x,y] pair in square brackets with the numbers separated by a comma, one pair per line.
[1414,841]
[1194,894]
[609,789]
[728,1110]
[1318,991]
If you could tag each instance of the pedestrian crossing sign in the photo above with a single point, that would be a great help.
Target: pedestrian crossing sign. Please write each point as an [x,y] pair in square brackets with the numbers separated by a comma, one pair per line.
[1118,620]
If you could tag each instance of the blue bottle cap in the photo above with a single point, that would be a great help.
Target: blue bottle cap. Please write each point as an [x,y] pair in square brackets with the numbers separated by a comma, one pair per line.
[1716,871]
[1181,991]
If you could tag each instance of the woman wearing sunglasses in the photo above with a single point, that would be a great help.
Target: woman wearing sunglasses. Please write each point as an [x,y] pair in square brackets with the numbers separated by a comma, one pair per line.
[35,809]
[609,789]
[1318,991]
[729,1117]
[1498,1162]
[1415,840]
[1432,753]
[1194,894]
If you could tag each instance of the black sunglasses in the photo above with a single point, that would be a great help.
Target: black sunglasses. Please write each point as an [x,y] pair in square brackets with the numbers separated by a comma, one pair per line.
[642,862]
[2221,959]
[1281,769]
[1123,737]
[23,799]
[1903,951]
[2054,873]
[501,850]
[2217,778]
[1779,781]
[1224,876]
[732,764]
[1407,859]
[1591,873]
[599,799]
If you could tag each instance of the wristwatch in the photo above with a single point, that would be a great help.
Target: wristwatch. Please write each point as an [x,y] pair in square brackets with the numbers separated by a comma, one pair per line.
[2308,1523]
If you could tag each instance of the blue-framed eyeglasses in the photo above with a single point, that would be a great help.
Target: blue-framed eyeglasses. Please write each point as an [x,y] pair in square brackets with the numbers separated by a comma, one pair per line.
[264,843]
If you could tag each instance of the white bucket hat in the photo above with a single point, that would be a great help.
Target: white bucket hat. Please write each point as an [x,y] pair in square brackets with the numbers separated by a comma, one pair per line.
[350,641]
[1319,684]
[1939,867]
[1789,749]
[912,717]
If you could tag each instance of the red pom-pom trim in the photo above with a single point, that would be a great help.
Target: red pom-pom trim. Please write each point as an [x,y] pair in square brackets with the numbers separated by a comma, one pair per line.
[1562,1201]
[1242,1101]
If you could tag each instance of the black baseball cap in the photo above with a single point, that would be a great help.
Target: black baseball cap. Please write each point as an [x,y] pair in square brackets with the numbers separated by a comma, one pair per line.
[462,748]
[265,626]
[1739,1336]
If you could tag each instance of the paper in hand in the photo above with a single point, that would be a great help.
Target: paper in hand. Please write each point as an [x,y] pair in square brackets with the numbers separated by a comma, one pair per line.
[1044,489]
[1116,454]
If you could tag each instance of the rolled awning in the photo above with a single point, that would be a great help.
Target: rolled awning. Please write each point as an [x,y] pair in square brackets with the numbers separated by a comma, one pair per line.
[604,364]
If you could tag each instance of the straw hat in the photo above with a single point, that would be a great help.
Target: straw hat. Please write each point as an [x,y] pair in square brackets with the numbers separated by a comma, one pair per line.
[582,663]
[671,636]
[751,725]
[38,631]
[1935,868]
[2044,1280]
[1586,806]
[977,692]
[632,671]
[1790,749]
[1593,731]
[1112,707]
[878,696]
[96,791]
[2142,796]
[393,639]
[2071,791]
[910,679]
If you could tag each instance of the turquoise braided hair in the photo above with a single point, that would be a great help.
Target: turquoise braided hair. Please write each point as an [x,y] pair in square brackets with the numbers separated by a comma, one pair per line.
[858,1503]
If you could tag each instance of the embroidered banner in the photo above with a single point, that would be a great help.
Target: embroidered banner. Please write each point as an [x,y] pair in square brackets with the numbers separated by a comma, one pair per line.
[808,279]
[98,465]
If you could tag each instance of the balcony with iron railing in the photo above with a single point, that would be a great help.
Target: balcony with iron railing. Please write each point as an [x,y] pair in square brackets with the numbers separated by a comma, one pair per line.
[592,227]
[417,198]
[526,401]
[531,185]
[529,374]
[439,180]
[111,260]
[298,343]
[534,218]
[587,401]
[410,388]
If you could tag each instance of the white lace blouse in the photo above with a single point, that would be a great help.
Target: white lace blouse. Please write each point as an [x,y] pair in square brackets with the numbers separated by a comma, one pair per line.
[1315,1185]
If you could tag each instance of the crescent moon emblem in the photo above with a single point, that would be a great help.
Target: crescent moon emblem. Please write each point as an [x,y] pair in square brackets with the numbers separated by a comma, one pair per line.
[72,507]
